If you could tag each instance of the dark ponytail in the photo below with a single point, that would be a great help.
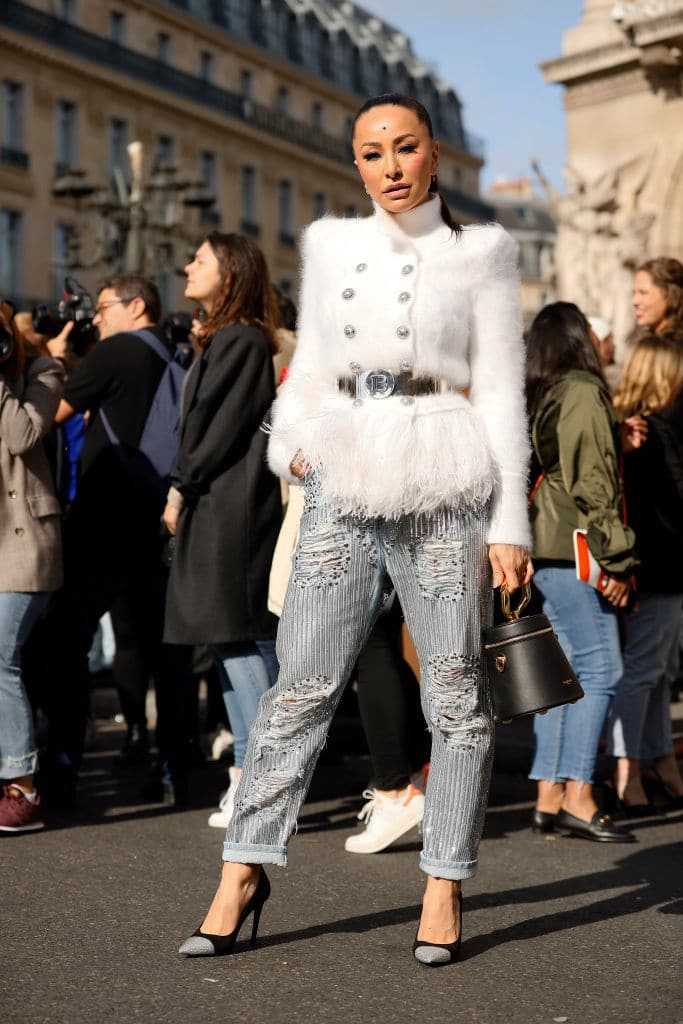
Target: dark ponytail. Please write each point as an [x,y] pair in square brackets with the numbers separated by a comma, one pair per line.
[446,215]
[396,99]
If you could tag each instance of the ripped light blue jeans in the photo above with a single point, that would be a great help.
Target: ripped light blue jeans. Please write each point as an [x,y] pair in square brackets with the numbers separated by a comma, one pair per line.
[343,569]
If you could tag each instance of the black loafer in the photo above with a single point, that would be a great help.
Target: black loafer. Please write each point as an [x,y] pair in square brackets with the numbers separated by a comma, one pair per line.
[600,828]
[543,821]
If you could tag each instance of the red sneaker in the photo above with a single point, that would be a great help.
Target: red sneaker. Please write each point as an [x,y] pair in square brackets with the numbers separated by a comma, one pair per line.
[17,814]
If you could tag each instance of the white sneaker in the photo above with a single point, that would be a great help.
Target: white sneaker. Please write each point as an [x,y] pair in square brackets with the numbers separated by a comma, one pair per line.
[387,819]
[221,744]
[221,817]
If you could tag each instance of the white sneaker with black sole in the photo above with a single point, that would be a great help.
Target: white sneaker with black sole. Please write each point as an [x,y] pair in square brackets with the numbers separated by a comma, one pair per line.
[387,819]
[221,817]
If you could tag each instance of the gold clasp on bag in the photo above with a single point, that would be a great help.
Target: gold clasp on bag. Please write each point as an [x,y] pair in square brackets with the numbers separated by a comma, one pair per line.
[512,614]
[501,662]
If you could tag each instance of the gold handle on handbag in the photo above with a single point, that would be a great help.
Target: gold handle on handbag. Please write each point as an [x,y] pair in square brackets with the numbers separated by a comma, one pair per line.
[512,614]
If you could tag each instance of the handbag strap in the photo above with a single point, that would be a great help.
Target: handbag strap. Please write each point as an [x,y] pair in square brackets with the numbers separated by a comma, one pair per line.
[534,489]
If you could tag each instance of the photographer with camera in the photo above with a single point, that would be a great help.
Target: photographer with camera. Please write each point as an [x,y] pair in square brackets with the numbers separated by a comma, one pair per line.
[112,544]
[30,555]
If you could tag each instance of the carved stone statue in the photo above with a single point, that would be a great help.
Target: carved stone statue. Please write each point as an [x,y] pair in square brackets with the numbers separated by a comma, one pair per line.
[602,237]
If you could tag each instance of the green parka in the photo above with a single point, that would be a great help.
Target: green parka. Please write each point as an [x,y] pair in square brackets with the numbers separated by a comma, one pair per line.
[576,440]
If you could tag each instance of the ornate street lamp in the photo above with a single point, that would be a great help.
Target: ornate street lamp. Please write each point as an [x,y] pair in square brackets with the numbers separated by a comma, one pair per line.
[138,227]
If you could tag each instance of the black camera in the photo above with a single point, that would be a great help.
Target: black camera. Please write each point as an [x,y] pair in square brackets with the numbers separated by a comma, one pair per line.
[6,344]
[77,306]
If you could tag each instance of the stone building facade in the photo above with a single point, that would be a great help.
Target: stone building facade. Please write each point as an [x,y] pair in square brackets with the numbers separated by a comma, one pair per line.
[251,99]
[528,218]
[622,72]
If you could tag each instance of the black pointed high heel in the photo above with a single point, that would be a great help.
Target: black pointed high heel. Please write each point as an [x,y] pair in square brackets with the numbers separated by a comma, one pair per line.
[439,954]
[204,944]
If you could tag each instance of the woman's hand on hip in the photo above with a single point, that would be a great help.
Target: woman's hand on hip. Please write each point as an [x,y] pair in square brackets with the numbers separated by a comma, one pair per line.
[170,518]
[299,467]
[511,564]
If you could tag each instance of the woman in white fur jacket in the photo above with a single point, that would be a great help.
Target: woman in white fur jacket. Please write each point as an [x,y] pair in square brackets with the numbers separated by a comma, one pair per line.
[403,414]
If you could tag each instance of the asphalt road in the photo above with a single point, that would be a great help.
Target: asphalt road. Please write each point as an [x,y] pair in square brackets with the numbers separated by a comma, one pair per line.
[556,930]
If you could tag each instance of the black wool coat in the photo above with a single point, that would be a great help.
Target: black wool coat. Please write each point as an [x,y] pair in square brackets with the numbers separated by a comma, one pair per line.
[653,485]
[226,535]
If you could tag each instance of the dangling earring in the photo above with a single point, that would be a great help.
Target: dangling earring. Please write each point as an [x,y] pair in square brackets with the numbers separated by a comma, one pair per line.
[366,191]
[434,187]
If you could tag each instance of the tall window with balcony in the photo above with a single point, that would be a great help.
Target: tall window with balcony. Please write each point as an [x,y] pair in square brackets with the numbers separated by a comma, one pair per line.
[67,10]
[249,219]
[247,85]
[164,152]
[117,27]
[285,208]
[318,117]
[164,48]
[165,277]
[66,149]
[206,66]
[282,102]
[11,254]
[118,154]
[60,256]
[319,207]
[210,215]
[13,125]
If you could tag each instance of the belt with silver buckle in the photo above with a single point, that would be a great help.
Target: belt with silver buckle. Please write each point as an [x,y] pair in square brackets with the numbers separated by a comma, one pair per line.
[384,384]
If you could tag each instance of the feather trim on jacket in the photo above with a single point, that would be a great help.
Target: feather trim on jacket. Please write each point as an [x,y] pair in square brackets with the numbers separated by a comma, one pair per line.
[399,292]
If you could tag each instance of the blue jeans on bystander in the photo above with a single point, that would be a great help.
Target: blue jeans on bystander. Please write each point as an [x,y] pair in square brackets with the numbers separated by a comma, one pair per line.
[586,625]
[18,615]
[246,670]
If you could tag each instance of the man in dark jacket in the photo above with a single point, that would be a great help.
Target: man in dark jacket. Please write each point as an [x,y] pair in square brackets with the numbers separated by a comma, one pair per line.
[111,533]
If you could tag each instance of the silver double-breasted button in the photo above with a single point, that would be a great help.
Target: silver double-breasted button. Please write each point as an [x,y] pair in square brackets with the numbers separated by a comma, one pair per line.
[361,267]
[406,365]
[403,332]
[348,293]
[350,331]
[404,297]
[355,368]
[407,269]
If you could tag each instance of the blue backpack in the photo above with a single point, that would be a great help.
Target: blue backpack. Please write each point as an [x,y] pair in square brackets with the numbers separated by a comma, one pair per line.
[151,463]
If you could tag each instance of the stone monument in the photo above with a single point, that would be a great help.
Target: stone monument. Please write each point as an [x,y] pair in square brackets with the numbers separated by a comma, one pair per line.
[622,70]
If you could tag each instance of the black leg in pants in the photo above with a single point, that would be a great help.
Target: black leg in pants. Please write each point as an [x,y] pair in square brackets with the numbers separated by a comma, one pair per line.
[91,586]
[389,703]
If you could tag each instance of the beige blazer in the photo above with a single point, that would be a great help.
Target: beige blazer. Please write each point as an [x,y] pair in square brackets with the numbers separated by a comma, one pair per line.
[30,514]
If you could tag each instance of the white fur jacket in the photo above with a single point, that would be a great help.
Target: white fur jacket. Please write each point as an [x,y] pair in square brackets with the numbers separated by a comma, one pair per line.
[398,292]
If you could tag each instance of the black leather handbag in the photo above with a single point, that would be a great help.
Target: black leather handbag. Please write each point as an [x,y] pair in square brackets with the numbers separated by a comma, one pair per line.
[528,670]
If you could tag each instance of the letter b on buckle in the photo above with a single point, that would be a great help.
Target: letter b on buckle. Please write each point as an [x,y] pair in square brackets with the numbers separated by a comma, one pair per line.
[380,384]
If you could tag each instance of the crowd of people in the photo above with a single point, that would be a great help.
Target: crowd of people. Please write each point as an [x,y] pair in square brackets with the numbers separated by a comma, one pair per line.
[145,479]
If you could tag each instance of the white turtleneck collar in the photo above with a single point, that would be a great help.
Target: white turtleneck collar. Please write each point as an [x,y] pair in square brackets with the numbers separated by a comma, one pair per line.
[406,230]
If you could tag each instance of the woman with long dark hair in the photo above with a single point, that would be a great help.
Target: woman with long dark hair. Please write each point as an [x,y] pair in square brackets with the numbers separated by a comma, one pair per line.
[224,506]
[404,412]
[575,438]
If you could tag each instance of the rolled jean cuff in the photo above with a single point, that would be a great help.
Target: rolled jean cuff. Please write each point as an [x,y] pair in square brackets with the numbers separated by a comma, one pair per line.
[447,869]
[564,778]
[250,853]
[16,767]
